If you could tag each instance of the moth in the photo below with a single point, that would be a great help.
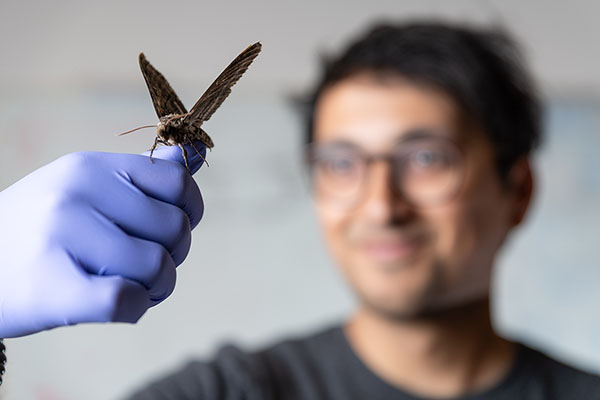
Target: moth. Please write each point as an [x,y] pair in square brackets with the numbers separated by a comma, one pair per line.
[176,126]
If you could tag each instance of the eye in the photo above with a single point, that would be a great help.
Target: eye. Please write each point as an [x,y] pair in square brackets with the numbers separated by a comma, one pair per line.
[428,158]
[340,164]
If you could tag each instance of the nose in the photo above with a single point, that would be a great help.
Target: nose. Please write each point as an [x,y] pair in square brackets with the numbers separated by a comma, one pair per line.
[382,203]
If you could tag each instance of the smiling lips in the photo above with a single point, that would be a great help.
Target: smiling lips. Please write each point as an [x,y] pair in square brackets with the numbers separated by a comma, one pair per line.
[392,250]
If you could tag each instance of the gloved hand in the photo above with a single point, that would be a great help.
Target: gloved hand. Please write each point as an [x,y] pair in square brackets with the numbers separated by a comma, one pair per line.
[94,237]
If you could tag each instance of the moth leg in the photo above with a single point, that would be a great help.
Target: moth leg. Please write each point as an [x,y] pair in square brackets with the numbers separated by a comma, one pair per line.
[197,152]
[156,142]
[184,153]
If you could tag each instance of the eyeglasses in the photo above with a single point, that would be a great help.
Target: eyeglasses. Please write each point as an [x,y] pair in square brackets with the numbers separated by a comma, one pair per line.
[425,171]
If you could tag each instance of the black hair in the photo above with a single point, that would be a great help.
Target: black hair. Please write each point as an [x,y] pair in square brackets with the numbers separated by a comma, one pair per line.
[480,68]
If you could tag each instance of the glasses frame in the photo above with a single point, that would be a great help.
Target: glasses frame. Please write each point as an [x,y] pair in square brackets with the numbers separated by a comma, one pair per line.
[389,158]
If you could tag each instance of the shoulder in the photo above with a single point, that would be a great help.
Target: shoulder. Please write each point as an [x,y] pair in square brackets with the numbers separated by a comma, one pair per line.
[289,349]
[296,365]
[236,373]
[315,351]
[561,379]
[304,347]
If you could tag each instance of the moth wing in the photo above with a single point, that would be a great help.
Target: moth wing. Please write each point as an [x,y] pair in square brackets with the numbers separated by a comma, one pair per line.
[218,91]
[163,96]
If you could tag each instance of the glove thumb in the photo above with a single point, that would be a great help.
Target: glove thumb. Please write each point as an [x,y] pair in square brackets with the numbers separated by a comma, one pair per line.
[196,152]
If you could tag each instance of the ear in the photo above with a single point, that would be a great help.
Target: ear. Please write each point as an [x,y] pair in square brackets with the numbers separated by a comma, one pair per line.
[521,185]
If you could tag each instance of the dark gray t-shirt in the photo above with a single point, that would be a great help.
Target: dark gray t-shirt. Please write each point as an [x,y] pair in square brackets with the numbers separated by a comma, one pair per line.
[324,366]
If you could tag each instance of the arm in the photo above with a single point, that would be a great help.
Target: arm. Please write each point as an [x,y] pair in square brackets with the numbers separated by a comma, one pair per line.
[94,237]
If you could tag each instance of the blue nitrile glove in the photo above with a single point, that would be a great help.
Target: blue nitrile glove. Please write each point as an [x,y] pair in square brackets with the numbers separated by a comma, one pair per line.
[94,237]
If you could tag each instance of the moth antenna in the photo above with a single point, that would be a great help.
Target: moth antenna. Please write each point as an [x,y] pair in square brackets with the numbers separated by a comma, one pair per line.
[201,156]
[136,129]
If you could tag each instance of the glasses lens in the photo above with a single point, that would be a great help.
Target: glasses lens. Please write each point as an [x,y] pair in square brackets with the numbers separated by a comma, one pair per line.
[337,172]
[428,171]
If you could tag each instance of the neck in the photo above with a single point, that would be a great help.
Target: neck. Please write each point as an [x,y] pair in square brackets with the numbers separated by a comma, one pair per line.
[440,355]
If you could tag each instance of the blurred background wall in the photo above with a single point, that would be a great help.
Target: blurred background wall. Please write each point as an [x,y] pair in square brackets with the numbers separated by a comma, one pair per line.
[257,271]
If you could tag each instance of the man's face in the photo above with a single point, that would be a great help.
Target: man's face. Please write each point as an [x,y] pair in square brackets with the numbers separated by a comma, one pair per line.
[404,259]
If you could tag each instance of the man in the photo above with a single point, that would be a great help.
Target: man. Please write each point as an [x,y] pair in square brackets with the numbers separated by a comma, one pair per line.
[418,142]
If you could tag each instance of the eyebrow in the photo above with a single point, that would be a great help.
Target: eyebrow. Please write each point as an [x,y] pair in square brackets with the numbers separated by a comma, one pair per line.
[420,133]
[411,135]
[341,143]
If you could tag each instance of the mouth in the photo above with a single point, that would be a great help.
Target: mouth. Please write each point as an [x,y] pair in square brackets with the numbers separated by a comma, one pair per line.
[397,251]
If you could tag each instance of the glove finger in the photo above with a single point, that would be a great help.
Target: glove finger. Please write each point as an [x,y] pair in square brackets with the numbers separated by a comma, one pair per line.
[107,299]
[164,180]
[69,295]
[146,218]
[100,247]
[95,175]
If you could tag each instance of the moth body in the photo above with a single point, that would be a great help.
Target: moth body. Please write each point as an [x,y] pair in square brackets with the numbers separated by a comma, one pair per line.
[173,129]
